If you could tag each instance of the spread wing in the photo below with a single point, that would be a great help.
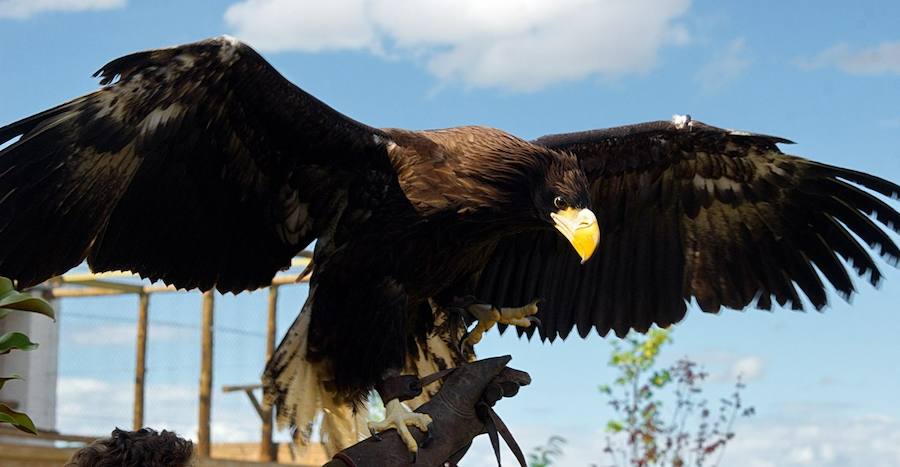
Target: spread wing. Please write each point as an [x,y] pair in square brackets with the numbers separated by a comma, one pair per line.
[689,211]
[199,165]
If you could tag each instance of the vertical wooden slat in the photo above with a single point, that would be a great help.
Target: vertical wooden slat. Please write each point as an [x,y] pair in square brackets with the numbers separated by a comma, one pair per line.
[267,450]
[140,361]
[206,360]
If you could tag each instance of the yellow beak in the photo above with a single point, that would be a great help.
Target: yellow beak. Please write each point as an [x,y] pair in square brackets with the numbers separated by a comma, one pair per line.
[580,229]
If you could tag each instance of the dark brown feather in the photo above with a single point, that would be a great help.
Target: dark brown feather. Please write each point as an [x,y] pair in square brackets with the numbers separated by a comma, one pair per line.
[695,212]
[198,165]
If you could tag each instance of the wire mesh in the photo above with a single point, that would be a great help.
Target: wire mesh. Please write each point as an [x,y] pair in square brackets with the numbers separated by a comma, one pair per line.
[97,354]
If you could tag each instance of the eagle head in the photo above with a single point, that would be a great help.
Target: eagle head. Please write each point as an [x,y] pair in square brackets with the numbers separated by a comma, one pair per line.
[519,184]
[561,198]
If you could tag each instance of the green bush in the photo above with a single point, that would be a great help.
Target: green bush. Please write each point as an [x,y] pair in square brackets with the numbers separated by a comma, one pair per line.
[544,456]
[14,301]
[643,434]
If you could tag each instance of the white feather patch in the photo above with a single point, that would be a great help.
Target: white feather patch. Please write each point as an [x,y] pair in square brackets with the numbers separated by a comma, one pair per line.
[681,121]
[438,352]
[159,117]
[110,104]
[228,50]
[231,40]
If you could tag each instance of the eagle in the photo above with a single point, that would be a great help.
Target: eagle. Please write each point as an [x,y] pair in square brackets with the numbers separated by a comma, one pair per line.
[201,166]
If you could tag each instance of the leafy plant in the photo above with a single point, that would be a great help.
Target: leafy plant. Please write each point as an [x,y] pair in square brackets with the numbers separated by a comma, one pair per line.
[10,301]
[641,435]
[544,456]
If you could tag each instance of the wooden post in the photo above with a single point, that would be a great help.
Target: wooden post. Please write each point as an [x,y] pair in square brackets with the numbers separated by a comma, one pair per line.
[267,450]
[206,358]
[140,361]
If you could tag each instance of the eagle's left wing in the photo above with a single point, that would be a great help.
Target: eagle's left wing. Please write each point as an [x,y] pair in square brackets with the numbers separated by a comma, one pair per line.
[200,165]
[690,211]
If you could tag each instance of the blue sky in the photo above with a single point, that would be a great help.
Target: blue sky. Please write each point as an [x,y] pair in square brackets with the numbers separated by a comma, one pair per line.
[820,73]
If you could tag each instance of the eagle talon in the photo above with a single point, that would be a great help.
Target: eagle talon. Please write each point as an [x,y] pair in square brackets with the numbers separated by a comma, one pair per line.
[429,436]
[488,315]
[374,434]
[400,418]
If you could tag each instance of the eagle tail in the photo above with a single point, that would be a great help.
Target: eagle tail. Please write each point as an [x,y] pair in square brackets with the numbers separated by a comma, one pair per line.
[296,387]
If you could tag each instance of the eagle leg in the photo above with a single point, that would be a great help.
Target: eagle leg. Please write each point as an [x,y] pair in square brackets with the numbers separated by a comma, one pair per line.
[397,416]
[488,315]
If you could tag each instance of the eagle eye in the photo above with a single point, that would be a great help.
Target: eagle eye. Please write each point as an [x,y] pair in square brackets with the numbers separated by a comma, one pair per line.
[560,203]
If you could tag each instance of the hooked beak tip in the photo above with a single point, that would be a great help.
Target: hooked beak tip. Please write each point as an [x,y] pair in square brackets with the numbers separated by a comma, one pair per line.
[580,229]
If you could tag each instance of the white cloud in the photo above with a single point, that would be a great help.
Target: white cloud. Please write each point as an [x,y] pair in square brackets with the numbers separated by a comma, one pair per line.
[871,440]
[94,407]
[747,368]
[520,45]
[882,59]
[90,396]
[126,334]
[810,439]
[725,367]
[23,9]
[724,68]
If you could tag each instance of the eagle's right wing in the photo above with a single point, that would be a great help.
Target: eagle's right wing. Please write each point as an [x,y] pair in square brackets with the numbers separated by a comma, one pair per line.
[688,211]
[200,165]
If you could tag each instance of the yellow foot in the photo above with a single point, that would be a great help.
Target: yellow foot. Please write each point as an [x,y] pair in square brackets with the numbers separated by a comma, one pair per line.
[399,417]
[488,316]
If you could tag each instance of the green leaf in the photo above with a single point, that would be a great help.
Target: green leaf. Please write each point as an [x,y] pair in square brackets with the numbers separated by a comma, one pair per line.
[5,285]
[11,300]
[614,426]
[661,378]
[4,379]
[17,419]
[15,341]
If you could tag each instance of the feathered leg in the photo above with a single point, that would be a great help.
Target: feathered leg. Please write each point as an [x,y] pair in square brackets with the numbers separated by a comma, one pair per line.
[294,386]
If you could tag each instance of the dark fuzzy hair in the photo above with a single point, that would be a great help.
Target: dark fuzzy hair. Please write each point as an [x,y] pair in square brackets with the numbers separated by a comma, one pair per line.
[142,448]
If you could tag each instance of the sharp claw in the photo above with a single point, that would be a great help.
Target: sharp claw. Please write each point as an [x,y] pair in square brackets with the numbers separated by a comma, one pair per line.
[412,457]
[467,338]
[429,437]
[462,343]
[374,434]
[535,321]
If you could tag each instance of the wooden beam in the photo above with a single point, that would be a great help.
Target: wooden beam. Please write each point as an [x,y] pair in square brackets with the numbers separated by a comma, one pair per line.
[76,292]
[72,292]
[241,387]
[206,361]
[23,455]
[88,281]
[266,447]
[254,402]
[6,431]
[289,279]
[99,291]
[140,361]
